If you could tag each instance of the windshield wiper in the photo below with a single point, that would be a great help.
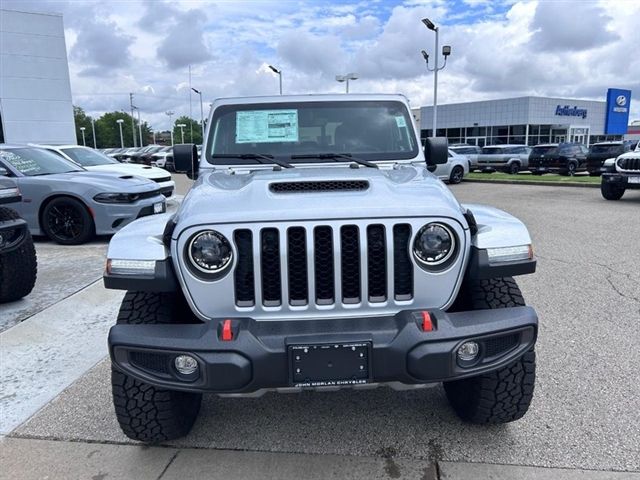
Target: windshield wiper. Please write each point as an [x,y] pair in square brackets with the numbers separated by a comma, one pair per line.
[338,157]
[254,156]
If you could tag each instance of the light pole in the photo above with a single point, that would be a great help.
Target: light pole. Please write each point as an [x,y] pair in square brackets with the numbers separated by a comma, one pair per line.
[170,114]
[279,72]
[346,78]
[139,126]
[201,111]
[181,125]
[93,129]
[82,129]
[120,122]
[446,51]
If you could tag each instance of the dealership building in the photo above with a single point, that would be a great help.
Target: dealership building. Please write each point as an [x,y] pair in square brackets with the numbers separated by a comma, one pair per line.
[530,120]
[35,91]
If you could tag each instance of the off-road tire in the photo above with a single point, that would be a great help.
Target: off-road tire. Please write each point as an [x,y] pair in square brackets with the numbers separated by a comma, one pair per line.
[611,192]
[19,267]
[457,174]
[147,413]
[513,169]
[503,395]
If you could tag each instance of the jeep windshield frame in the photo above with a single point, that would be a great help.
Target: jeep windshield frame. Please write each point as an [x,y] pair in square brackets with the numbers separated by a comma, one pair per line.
[371,130]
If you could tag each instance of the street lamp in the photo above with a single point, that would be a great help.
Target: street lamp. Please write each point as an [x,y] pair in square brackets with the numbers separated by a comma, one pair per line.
[346,78]
[93,129]
[82,129]
[139,126]
[181,125]
[170,114]
[120,122]
[279,72]
[446,51]
[201,111]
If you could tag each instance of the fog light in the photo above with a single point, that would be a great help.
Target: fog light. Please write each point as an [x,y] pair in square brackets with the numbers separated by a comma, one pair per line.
[468,351]
[186,364]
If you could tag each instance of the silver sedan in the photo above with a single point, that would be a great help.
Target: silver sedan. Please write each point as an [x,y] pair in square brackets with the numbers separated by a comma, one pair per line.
[69,204]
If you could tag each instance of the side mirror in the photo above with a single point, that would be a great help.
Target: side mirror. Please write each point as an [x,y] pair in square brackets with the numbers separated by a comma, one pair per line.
[185,159]
[3,172]
[436,152]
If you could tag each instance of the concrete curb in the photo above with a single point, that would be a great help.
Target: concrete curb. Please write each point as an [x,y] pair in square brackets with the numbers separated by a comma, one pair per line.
[545,184]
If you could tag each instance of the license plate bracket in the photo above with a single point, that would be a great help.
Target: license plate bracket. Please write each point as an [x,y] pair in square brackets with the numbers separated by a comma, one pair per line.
[328,365]
[633,180]
[158,207]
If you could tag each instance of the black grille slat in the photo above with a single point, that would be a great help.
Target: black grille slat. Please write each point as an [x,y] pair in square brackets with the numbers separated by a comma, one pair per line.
[402,266]
[350,263]
[319,186]
[270,267]
[376,263]
[500,345]
[323,265]
[243,276]
[297,266]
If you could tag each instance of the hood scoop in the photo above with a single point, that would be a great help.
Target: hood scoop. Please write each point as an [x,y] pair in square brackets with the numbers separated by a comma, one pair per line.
[126,177]
[319,186]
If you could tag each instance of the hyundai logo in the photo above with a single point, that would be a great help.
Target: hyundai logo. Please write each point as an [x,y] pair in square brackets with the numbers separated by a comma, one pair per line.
[621,100]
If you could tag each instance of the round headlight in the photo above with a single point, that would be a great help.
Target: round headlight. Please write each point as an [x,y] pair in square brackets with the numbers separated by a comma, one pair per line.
[210,252]
[434,244]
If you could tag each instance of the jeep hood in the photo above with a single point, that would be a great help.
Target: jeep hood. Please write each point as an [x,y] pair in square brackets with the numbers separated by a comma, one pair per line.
[403,191]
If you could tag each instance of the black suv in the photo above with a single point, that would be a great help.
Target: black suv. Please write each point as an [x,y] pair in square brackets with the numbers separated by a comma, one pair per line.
[599,152]
[562,158]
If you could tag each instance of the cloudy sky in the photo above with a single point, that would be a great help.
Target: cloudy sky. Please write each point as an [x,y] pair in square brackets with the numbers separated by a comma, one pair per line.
[574,49]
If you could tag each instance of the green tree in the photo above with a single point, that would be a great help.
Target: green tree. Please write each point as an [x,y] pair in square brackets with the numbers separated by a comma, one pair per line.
[108,130]
[190,124]
[81,119]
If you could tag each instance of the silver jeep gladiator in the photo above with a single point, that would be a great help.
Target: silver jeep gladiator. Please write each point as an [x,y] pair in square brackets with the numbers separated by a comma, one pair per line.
[316,250]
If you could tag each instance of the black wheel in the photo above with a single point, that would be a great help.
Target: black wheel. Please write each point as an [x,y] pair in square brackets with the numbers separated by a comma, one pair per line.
[147,413]
[571,169]
[503,395]
[19,267]
[514,168]
[611,192]
[67,221]
[457,174]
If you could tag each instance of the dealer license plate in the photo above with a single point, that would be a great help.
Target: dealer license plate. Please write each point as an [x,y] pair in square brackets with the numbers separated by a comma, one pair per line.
[329,365]
[158,207]
[633,180]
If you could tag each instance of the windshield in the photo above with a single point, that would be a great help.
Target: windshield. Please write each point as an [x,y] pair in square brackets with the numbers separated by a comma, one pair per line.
[37,161]
[608,149]
[87,157]
[375,130]
[544,150]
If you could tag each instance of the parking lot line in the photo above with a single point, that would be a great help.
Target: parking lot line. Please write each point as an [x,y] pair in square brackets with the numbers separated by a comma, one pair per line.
[43,355]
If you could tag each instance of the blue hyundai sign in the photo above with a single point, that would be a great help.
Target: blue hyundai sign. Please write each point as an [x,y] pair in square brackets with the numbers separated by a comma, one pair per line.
[618,105]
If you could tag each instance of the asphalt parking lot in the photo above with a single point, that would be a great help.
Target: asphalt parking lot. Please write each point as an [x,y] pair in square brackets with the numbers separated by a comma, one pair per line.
[587,397]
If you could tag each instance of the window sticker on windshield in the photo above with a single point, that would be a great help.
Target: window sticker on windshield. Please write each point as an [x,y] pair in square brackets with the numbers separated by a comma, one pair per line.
[23,165]
[400,121]
[267,126]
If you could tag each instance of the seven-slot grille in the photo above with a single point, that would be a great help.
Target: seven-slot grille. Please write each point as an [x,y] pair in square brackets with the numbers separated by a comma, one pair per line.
[629,163]
[323,265]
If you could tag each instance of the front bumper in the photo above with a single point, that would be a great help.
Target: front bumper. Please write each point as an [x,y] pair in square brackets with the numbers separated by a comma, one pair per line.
[13,233]
[625,180]
[259,355]
[111,217]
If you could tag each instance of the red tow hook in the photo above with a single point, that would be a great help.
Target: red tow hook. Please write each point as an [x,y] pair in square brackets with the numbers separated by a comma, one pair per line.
[227,332]
[427,322]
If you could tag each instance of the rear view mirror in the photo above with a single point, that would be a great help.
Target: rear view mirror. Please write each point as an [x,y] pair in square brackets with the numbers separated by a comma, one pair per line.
[185,159]
[3,172]
[436,152]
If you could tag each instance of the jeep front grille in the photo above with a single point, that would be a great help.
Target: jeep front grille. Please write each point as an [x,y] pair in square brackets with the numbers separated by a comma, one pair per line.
[323,265]
[629,164]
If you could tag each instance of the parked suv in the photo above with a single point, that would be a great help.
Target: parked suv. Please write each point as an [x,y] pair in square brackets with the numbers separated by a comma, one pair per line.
[621,174]
[470,151]
[506,158]
[312,254]
[563,158]
[18,262]
[599,152]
